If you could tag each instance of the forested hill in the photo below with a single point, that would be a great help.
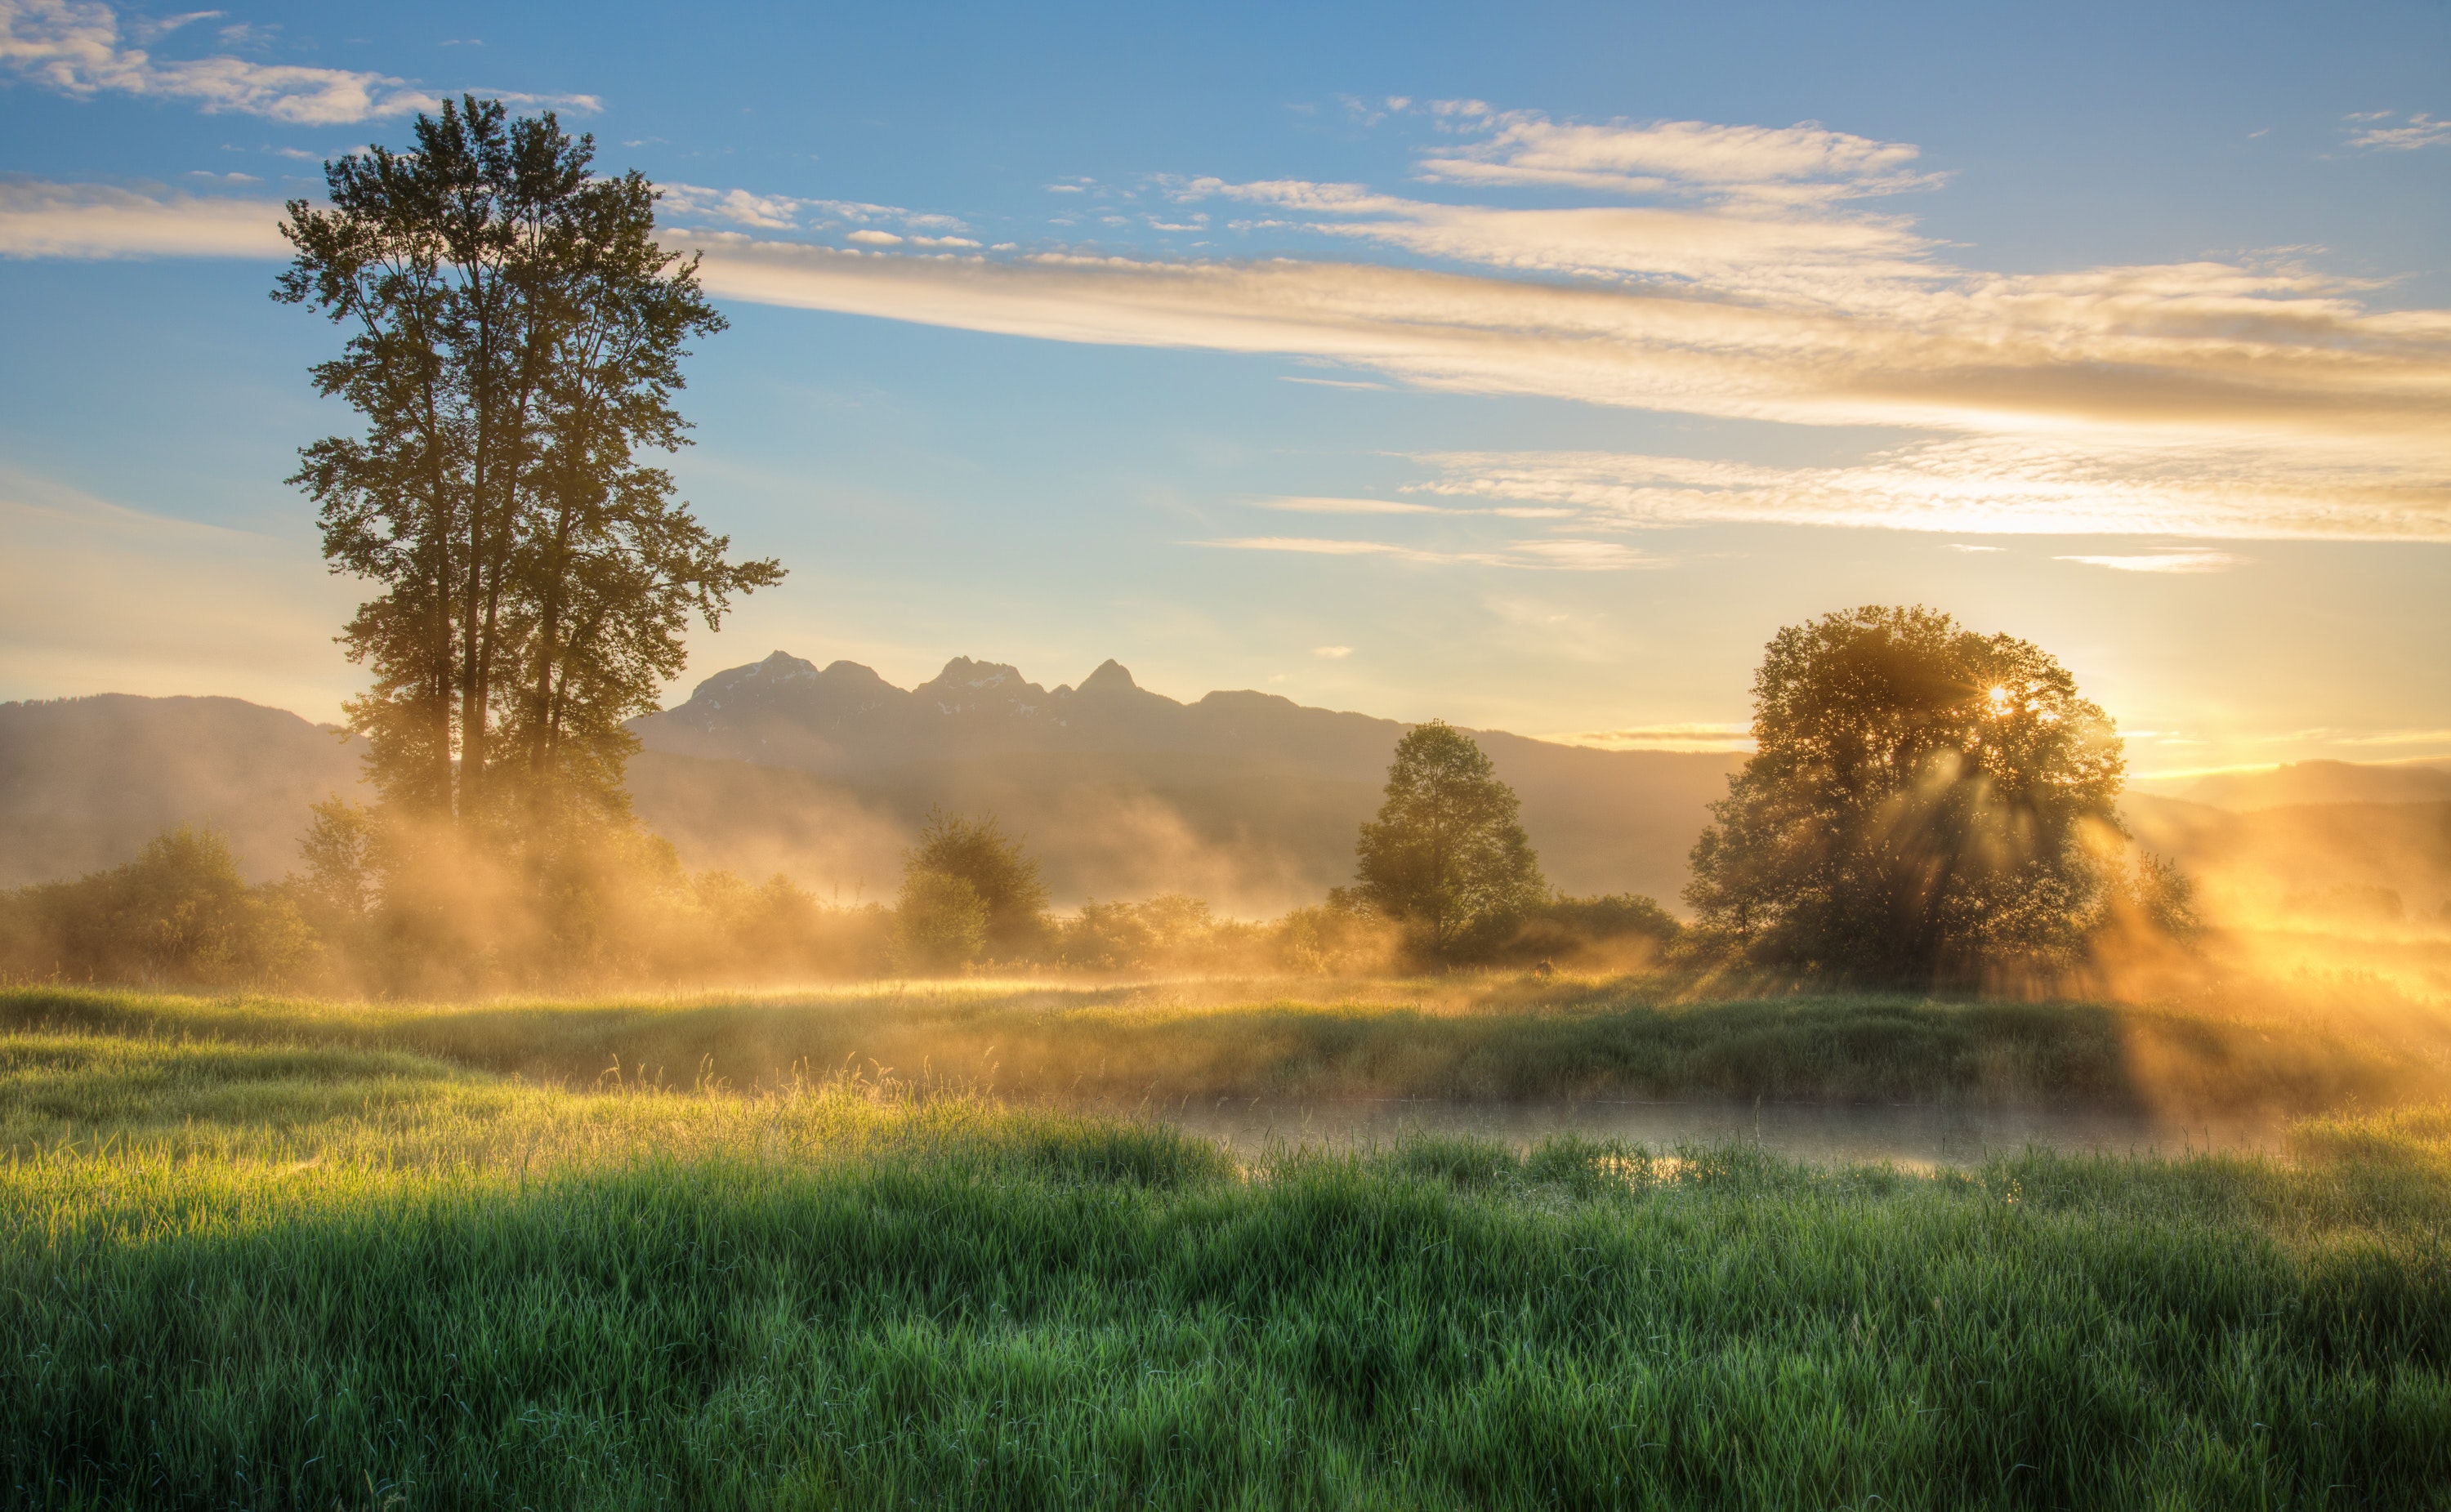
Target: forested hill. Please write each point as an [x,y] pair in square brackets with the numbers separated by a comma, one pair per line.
[85,782]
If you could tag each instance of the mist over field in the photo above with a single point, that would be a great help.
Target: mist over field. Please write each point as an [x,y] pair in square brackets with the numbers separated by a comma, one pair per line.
[1252,816]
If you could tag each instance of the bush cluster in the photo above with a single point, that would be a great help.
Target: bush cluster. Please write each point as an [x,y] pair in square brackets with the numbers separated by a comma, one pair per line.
[178,914]
[394,913]
[390,910]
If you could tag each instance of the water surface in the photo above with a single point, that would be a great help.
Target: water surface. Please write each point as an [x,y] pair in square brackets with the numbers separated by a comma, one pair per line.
[1911,1135]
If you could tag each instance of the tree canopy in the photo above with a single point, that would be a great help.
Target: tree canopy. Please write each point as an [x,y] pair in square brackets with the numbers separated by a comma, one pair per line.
[514,341]
[1924,802]
[1447,856]
[997,870]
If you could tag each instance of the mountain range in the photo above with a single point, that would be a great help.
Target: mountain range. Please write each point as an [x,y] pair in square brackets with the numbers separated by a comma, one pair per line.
[1245,799]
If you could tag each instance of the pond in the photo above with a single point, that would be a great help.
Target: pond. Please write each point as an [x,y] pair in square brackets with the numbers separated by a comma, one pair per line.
[1913,1136]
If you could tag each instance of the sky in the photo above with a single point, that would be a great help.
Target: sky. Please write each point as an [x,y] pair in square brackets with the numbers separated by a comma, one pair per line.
[1527,367]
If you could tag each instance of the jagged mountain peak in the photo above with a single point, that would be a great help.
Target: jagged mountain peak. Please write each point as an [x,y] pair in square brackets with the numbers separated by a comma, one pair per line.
[856,674]
[978,676]
[784,664]
[781,711]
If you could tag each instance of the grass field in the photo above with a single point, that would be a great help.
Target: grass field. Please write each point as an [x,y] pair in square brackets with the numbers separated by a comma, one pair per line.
[272,1255]
[1501,1036]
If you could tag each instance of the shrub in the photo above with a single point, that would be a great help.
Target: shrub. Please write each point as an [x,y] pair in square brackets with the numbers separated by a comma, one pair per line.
[178,914]
[940,925]
[999,871]
[1621,931]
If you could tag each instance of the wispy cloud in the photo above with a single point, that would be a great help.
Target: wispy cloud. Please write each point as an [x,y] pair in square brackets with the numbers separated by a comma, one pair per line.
[771,213]
[1781,165]
[1351,506]
[89,221]
[1539,554]
[94,595]
[1820,258]
[2375,129]
[76,47]
[1581,556]
[1332,653]
[1703,736]
[2249,399]
[1313,546]
[2222,354]
[1307,505]
[1331,382]
[681,203]
[2012,484]
[2178,561]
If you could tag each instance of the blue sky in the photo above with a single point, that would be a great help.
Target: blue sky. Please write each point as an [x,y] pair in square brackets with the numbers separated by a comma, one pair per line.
[1527,366]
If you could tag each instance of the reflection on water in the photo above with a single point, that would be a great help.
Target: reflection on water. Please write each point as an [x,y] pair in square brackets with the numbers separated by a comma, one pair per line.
[1908,1136]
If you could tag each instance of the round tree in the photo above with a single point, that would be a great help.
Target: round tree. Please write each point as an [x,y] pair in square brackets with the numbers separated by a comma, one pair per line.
[1446,857]
[998,872]
[940,923]
[1925,803]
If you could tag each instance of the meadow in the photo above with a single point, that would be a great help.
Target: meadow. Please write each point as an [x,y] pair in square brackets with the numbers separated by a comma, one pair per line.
[2240,1048]
[281,1253]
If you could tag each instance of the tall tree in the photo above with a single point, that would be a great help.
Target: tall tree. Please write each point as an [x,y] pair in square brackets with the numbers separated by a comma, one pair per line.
[1447,855]
[515,342]
[1924,802]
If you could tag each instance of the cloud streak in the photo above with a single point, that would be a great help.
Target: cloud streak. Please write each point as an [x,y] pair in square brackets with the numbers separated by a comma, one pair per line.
[1702,737]
[75,47]
[1788,166]
[2171,562]
[2205,348]
[2199,400]
[2228,400]
[2011,485]
[1310,505]
[1817,260]
[782,212]
[1551,555]
[90,221]
[2417,131]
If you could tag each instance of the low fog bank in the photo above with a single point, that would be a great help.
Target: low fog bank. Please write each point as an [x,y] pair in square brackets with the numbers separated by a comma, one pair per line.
[83,783]
[2359,867]
[763,873]
[1243,799]
[2301,782]
[1249,840]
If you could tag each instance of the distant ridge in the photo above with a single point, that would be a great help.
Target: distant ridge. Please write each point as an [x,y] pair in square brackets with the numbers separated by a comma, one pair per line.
[845,718]
[85,782]
[1248,774]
